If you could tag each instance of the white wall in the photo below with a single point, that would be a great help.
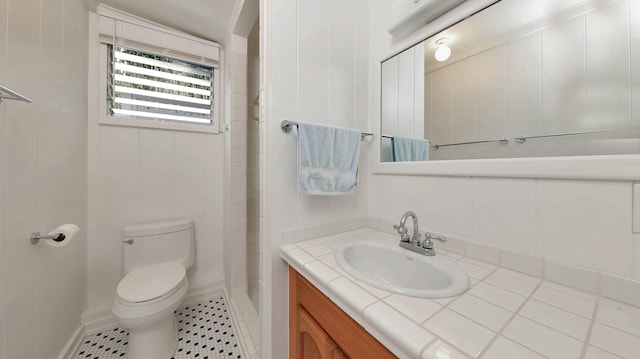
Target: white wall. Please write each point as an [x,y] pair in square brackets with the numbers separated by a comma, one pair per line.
[581,223]
[586,223]
[140,175]
[147,175]
[316,68]
[43,171]
[236,108]
[253,166]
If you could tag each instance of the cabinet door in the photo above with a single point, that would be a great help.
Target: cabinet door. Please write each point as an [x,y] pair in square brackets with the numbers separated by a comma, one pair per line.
[338,354]
[314,343]
[326,331]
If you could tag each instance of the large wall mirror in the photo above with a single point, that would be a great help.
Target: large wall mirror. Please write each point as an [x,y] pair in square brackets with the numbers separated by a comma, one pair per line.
[520,78]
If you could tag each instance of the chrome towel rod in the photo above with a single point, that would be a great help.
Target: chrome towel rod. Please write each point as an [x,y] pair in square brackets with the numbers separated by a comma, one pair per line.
[522,139]
[12,95]
[503,141]
[286,127]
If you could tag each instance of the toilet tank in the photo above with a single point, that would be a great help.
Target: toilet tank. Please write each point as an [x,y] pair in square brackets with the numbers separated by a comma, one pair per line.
[158,242]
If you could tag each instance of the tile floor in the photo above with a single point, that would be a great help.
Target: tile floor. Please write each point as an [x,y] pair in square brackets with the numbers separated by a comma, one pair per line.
[204,332]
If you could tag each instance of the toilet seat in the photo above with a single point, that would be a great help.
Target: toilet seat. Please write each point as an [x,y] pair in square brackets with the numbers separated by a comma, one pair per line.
[146,284]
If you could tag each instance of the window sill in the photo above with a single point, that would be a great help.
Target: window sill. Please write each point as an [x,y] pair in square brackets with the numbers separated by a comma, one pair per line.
[125,121]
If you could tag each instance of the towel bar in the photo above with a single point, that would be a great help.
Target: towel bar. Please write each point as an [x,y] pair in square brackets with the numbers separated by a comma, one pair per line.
[286,128]
[8,94]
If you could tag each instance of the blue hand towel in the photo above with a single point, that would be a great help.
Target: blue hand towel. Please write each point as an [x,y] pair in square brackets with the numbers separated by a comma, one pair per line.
[327,159]
[409,149]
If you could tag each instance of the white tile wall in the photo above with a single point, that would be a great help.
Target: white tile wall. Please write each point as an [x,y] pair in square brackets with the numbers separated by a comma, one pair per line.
[493,201]
[43,170]
[147,175]
[316,54]
[586,223]
[449,206]
[243,195]
[532,219]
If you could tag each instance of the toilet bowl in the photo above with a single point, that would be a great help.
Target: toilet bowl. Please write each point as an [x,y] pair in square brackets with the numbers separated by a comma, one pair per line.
[145,301]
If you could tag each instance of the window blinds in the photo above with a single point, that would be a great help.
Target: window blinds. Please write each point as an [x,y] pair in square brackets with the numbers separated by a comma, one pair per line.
[154,86]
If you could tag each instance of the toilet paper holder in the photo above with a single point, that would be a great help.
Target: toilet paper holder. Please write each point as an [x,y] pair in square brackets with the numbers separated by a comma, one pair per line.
[36,237]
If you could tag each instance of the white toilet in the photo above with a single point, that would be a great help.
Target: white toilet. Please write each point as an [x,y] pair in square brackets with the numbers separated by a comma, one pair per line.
[156,259]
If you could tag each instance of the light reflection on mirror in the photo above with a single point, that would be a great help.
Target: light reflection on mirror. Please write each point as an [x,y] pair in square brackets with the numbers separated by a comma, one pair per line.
[524,79]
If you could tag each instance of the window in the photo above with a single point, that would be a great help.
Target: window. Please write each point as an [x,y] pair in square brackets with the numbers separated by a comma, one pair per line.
[153,76]
[150,86]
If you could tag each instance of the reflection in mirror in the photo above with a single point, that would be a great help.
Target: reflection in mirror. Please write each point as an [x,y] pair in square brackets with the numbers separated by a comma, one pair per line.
[523,79]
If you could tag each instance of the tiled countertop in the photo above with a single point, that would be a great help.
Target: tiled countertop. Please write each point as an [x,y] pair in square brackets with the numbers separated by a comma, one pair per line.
[504,314]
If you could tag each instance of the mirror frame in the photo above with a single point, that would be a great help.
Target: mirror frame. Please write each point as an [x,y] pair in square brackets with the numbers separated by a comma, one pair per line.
[607,167]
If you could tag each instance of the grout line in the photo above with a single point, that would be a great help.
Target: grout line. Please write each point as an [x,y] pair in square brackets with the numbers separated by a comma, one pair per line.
[592,322]
[557,307]
[500,332]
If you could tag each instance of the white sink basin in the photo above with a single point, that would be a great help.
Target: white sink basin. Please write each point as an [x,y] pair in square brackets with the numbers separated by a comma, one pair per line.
[384,265]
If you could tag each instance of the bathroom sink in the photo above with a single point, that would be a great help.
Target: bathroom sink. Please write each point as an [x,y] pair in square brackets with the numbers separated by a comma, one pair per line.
[384,265]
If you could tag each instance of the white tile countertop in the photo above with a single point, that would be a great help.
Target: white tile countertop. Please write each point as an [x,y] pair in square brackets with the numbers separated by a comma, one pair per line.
[504,314]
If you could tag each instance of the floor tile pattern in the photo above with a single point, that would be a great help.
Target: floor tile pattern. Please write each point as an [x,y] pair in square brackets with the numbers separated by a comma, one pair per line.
[204,332]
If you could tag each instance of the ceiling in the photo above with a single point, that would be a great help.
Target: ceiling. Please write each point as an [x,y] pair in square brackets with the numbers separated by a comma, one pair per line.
[207,19]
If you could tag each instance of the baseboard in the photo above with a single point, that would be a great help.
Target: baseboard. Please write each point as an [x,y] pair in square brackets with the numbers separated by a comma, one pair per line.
[236,318]
[102,319]
[98,321]
[71,348]
[201,292]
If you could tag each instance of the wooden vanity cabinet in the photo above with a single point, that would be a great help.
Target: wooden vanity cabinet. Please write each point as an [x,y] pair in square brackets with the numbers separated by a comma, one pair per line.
[314,343]
[318,329]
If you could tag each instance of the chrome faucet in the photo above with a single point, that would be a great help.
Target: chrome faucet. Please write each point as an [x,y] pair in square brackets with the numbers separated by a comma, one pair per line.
[402,229]
[413,242]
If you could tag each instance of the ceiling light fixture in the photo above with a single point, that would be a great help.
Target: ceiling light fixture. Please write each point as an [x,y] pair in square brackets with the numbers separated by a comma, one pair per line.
[443,52]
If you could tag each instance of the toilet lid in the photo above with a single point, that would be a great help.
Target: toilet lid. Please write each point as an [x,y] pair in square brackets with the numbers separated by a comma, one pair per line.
[150,282]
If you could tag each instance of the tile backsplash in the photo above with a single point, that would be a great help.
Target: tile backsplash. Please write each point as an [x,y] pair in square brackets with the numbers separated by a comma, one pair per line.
[585,279]
[589,280]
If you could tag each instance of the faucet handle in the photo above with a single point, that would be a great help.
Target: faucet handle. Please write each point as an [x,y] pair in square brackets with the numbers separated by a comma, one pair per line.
[428,237]
[400,228]
[402,231]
